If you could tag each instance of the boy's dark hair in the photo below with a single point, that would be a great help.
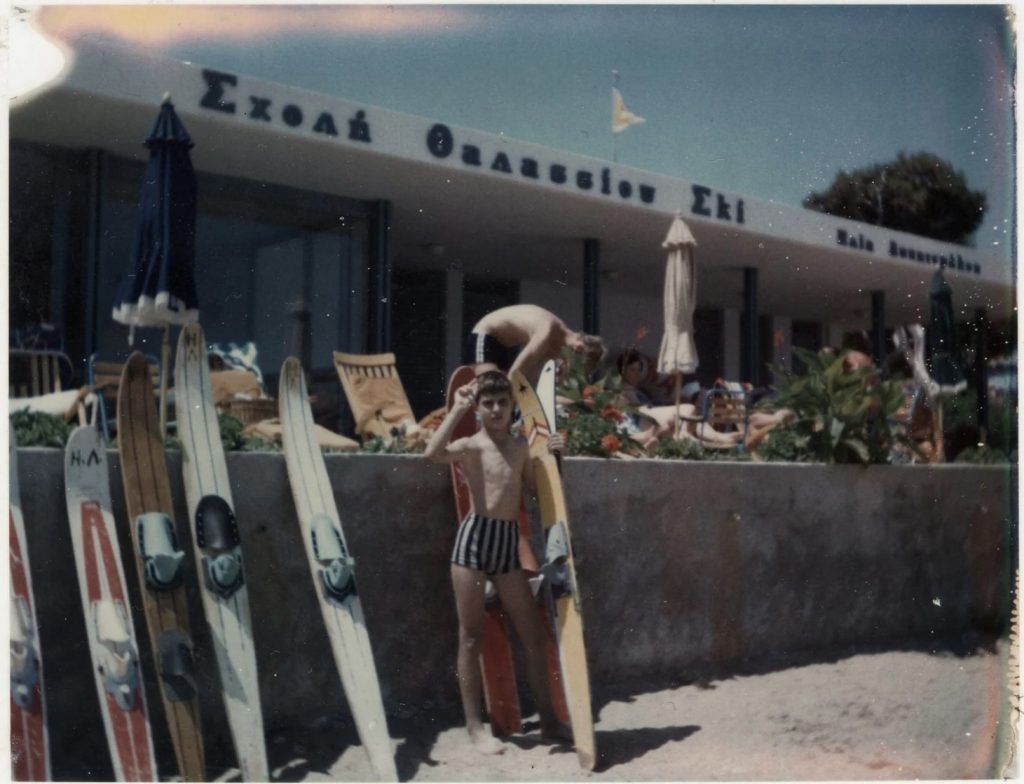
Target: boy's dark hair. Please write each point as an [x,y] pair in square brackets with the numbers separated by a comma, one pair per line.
[493,382]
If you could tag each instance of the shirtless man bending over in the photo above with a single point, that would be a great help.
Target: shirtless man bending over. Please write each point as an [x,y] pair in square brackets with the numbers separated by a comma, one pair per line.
[496,464]
[540,334]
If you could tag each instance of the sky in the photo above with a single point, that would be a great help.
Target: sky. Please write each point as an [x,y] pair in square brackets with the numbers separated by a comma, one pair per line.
[768,101]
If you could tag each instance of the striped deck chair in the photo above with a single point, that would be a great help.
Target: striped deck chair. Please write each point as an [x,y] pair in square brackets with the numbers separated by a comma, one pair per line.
[375,394]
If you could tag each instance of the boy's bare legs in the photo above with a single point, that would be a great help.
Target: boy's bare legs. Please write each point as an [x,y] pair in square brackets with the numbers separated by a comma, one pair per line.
[517,600]
[469,604]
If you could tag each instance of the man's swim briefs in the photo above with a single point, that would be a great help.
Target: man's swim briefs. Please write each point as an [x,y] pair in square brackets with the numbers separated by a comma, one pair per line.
[482,348]
[487,544]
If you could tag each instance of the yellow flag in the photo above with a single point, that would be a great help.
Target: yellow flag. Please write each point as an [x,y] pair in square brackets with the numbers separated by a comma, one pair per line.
[622,117]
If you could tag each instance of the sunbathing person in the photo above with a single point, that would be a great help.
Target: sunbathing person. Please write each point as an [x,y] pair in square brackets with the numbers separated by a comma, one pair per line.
[690,425]
[633,368]
[651,423]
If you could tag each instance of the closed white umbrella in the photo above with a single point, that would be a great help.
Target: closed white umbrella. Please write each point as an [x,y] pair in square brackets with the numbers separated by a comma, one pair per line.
[678,352]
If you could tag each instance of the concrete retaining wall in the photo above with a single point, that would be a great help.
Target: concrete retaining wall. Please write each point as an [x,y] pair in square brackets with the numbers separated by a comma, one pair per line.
[682,565]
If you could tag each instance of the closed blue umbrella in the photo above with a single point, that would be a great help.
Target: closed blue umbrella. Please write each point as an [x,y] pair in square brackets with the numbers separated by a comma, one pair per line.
[943,354]
[159,287]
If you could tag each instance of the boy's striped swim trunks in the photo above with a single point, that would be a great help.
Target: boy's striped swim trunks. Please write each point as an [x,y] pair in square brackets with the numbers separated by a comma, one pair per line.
[487,544]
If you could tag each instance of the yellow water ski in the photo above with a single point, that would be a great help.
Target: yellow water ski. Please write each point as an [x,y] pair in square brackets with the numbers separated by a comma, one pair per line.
[559,570]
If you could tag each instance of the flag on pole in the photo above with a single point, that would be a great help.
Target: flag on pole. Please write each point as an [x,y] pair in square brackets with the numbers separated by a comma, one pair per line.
[622,117]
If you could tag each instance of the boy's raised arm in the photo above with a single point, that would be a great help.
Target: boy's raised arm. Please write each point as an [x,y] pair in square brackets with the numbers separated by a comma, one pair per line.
[438,449]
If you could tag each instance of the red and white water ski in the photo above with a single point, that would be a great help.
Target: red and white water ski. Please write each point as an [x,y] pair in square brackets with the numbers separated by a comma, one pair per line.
[30,759]
[105,604]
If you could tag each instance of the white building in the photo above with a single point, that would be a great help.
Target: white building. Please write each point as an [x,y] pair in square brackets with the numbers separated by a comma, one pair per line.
[397,232]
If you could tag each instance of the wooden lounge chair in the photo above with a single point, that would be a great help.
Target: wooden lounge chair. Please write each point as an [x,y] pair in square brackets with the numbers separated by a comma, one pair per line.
[35,372]
[36,382]
[375,394]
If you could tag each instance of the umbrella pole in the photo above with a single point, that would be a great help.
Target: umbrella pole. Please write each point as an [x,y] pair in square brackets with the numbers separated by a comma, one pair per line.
[938,429]
[675,428]
[165,358]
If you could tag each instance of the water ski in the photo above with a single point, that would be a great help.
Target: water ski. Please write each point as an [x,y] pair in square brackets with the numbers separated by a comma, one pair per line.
[332,569]
[106,607]
[218,551]
[158,560]
[30,757]
[559,567]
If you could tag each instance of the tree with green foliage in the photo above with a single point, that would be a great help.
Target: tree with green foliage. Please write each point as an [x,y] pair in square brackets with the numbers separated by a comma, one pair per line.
[919,193]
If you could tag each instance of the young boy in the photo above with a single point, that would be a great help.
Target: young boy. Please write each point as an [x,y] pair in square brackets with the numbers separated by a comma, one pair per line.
[496,464]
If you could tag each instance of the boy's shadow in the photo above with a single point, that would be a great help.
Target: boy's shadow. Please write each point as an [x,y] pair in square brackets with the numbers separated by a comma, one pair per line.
[614,747]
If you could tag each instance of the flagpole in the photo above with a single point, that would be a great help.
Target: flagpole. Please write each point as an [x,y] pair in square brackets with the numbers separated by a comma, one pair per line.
[615,136]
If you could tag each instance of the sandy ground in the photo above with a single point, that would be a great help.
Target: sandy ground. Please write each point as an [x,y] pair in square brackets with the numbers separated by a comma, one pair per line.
[871,715]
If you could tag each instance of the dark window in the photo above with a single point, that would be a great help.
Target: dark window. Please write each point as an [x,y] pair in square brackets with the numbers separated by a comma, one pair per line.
[805,334]
[481,296]
[707,335]
[418,336]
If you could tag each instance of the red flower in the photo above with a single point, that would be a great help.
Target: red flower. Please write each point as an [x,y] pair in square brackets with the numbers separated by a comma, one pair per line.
[611,444]
[612,414]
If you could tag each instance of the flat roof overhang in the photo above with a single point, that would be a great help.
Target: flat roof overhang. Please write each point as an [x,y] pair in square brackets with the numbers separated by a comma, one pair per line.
[494,223]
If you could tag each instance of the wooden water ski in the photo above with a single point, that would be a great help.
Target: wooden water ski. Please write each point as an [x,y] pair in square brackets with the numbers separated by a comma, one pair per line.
[218,552]
[158,561]
[106,608]
[30,756]
[546,395]
[332,570]
[560,571]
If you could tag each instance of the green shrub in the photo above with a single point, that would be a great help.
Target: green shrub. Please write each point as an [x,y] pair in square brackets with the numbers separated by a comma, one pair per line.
[258,445]
[688,449]
[985,455]
[841,416]
[593,411]
[784,444]
[591,434]
[960,415]
[34,428]
[397,446]
[234,439]
[231,432]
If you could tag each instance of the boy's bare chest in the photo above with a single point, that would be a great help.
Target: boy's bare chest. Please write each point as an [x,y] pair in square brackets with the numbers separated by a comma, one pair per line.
[500,464]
